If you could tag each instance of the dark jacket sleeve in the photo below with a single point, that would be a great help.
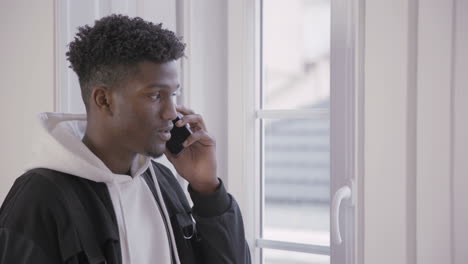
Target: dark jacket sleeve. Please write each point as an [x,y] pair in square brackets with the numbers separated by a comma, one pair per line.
[15,248]
[220,225]
[28,229]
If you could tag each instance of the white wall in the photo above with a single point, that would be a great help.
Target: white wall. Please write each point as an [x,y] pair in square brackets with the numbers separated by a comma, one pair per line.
[387,131]
[26,78]
[416,148]
[460,134]
[434,132]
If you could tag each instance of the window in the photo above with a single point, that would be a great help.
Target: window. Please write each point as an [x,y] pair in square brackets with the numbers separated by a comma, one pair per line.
[291,119]
[295,129]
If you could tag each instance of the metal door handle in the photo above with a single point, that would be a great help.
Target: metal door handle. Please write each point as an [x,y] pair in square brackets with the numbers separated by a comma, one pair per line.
[342,193]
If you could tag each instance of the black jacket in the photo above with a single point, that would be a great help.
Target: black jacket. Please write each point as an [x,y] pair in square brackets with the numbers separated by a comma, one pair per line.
[51,217]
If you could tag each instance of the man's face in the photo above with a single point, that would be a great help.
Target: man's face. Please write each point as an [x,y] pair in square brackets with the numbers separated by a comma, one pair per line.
[144,109]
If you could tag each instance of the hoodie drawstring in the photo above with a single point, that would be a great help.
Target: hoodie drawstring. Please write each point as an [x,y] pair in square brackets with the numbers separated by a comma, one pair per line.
[122,213]
[164,215]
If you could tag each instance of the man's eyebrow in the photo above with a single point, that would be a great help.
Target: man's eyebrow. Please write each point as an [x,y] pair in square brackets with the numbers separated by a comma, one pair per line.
[158,85]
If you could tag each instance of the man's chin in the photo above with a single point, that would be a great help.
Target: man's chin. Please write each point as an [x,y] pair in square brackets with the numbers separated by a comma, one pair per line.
[156,153]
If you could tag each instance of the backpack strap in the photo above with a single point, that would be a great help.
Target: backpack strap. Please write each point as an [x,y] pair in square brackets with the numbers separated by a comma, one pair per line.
[176,202]
[80,218]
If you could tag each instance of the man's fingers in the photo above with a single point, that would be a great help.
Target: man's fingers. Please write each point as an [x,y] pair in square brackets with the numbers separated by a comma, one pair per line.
[184,110]
[200,136]
[195,120]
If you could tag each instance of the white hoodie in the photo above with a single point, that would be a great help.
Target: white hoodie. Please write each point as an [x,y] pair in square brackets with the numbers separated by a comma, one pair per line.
[143,236]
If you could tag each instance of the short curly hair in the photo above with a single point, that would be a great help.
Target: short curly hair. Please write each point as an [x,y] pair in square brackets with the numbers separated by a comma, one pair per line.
[108,53]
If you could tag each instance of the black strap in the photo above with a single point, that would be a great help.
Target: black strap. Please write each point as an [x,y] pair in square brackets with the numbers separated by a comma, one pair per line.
[80,218]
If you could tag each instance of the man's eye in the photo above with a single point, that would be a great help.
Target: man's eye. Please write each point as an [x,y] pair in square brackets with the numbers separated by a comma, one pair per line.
[155,96]
[177,93]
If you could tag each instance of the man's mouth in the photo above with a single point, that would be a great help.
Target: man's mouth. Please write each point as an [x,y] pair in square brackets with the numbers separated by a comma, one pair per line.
[165,133]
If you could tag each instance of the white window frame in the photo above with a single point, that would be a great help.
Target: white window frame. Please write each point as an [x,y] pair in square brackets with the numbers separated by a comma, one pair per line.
[243,74]
[244,112]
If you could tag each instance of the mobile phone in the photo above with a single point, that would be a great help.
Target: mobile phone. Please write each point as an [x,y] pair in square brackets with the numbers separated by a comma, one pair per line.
[178,136]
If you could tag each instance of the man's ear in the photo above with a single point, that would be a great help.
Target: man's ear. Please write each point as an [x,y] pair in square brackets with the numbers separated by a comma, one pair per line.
[101,98]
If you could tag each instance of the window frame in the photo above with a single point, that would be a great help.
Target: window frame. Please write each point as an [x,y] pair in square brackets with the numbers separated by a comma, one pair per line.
[243,156]
[245,115]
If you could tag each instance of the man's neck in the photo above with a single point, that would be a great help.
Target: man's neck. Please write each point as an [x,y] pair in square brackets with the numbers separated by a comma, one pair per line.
[118,161]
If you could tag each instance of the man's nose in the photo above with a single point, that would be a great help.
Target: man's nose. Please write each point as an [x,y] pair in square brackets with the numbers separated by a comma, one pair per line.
[169,111]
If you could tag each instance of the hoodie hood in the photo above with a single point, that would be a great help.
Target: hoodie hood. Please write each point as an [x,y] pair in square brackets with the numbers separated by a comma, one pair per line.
[140,222]
[59,147]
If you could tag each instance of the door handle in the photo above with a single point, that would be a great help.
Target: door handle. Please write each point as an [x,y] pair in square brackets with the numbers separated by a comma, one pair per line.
[344,193]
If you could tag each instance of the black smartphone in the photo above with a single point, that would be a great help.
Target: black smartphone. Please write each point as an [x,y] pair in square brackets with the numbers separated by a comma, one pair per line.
[178,136]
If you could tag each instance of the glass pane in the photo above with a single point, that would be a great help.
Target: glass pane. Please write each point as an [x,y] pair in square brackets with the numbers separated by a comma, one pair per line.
[297,181]
[272,256]
[296,53]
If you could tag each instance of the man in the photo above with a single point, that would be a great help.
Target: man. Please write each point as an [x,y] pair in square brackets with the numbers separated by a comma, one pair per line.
[93,194]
